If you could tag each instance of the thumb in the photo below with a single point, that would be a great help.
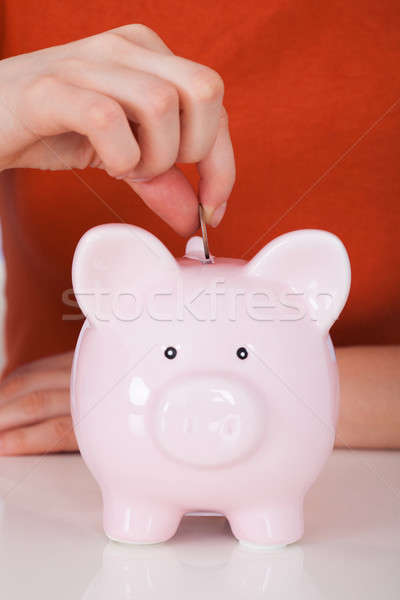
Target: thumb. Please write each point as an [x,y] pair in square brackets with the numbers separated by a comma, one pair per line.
[171,197]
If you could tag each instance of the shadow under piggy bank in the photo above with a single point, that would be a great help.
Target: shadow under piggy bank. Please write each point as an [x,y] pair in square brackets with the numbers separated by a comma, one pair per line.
[202,561]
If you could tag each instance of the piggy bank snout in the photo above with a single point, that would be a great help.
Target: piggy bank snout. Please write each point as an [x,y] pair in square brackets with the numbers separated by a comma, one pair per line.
[208,422]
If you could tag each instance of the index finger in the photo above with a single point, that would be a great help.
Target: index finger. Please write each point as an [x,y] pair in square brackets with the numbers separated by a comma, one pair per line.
[217,173]
[171,196]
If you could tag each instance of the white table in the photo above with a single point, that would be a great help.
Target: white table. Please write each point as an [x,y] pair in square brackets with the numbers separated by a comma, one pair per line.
[52,545]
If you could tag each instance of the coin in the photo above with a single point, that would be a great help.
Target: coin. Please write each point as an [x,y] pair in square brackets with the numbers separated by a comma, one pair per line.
[204,233]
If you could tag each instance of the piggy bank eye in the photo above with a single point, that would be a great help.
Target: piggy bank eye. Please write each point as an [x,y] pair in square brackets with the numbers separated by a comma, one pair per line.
[170,352]
[242,353]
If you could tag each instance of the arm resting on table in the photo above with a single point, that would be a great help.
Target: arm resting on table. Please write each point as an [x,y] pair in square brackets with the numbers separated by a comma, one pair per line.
[370,397]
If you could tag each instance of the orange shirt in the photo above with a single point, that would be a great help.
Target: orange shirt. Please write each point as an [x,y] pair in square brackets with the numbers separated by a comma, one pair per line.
[310,90]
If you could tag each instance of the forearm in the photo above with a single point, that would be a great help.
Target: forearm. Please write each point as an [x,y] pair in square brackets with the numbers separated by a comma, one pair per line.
[369,414]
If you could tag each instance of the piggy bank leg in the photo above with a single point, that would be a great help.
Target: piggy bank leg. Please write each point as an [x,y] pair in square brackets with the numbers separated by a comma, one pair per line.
[139,522]
[269,526]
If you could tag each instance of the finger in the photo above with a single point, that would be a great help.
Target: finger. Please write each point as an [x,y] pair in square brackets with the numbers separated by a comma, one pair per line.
[34,407]
[63,359]
[151,103]
[46,363]
[201,92]
[23,382]
[217,175]
[52,107]
[143,36]
[172,198]
[54,435]
[200,89]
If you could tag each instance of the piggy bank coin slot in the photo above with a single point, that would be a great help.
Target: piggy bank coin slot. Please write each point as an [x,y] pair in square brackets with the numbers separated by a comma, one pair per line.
[195,251]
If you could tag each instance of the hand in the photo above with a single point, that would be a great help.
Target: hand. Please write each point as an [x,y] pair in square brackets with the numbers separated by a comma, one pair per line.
[35,408]
[123,102]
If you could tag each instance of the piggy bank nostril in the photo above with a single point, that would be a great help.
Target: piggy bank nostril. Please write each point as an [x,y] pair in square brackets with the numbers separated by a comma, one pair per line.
[188,425]
[227,428]
[231,427]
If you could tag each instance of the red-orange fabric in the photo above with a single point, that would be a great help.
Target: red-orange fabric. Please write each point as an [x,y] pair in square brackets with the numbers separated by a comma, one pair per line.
[309,86]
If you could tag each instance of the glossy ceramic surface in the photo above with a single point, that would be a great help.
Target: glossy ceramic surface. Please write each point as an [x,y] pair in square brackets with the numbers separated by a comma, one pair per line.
[52,543]
[206,387]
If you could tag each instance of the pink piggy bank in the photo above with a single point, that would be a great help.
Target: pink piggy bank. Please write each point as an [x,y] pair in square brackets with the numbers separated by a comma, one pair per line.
[206,387]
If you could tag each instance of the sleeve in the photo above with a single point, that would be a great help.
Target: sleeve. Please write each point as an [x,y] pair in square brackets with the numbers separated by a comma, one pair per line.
[1,56]
[2,27]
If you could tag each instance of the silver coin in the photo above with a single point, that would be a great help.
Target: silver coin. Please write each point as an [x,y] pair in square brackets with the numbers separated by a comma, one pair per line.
[204,233]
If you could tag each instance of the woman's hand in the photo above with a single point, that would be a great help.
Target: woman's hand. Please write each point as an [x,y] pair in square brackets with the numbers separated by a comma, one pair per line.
[123,102]
[35,408]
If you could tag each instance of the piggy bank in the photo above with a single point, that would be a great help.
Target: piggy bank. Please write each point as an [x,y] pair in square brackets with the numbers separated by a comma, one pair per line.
[206,386]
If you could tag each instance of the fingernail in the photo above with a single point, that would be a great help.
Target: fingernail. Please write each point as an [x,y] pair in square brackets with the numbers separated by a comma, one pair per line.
[131,177]
[214,218]
[138,179]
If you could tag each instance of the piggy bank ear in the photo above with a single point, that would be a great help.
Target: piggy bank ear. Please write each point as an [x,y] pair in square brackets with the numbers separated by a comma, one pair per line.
[310,262]
[116,259]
